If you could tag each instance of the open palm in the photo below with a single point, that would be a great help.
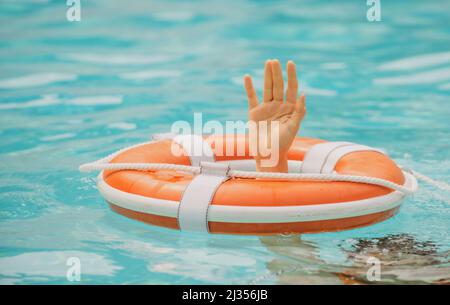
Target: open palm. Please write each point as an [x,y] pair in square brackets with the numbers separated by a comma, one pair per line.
[287,110]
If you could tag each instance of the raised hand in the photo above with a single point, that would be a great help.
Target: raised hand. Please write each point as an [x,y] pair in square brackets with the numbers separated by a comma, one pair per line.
[288,111]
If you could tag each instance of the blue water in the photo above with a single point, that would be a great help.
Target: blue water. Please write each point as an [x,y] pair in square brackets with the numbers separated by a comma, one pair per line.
[73,92]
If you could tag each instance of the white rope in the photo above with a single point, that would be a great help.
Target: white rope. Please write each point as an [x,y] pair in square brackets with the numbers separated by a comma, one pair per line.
[437,184]
[89,167]
[323,177]
[103,165]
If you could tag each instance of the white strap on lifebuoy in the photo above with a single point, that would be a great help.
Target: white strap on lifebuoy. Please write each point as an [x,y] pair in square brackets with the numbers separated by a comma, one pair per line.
[323,157]
[317,155]
[194,146]
[194,205]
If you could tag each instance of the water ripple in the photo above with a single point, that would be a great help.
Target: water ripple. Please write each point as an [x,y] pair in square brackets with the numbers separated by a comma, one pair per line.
[36,80]
[415,62]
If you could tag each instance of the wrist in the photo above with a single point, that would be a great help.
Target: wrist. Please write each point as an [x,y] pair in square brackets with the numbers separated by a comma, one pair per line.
[269,164]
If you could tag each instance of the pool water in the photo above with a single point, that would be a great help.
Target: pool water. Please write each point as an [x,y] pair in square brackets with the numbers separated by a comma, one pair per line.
[71,92]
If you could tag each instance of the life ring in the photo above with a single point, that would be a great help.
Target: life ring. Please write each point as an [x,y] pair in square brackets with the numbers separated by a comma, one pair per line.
[213,203]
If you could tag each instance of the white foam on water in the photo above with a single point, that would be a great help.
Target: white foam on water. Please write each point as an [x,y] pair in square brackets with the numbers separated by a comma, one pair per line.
[174,16]
[427,77]
[333,66]
[444,86]
[200,265]
[319,92]
[415,62]
[35,1]
[163,267]
[53,99]
[150,74]
[96,100]
[53,264]
[122,126]
[45,100]
[118,59]
[142,249]
[35,80]
[57,137]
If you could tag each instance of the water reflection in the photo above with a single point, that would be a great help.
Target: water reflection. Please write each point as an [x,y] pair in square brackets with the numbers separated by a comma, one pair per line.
[403,260]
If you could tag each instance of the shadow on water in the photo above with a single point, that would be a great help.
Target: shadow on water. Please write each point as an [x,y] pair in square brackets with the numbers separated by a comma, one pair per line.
[402,259]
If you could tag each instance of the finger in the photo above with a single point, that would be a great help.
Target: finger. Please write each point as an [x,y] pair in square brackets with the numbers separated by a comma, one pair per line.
[277,75]
[251,93]
[299,110]
[292,89]
[268,83]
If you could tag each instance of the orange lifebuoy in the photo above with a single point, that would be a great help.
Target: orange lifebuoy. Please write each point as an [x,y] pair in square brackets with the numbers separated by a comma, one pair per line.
[255,206]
